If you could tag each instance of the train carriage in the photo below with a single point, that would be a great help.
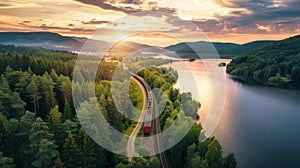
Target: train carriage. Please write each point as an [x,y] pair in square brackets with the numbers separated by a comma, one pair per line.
[148,116]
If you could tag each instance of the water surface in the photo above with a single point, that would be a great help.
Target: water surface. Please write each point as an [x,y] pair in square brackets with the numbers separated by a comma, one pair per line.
[260,125]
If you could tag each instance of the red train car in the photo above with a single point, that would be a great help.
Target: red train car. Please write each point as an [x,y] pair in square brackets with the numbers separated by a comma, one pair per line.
[148,116]
[147,128]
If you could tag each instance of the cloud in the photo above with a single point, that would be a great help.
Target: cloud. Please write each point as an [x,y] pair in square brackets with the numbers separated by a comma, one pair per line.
[3,5]
[255,16]
[127,6]
[45,27]
[25,22]
[136,2]
[252,16]
[95,22]
[102,4]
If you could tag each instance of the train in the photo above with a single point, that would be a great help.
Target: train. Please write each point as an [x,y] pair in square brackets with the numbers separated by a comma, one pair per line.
[148,117]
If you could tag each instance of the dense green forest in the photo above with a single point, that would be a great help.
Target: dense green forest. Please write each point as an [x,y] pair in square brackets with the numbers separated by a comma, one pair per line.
[277,65]
[39,127]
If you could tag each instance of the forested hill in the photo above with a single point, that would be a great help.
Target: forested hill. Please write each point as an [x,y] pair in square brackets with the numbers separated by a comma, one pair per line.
[37,52]
[242,49]
[277,64]
[56,41]
[41,39]
[225,50]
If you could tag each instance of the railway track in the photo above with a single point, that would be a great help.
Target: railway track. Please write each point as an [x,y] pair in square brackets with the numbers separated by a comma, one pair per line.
[131,141]
[158,141]
[151,105]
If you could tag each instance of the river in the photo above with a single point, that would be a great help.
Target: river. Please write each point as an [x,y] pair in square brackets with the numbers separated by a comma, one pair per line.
[260,125]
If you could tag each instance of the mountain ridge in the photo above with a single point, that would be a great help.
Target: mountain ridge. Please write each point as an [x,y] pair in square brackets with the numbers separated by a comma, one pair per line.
[55,41]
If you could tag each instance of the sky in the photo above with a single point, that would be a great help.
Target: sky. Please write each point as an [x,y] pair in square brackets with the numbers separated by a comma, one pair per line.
[160,22]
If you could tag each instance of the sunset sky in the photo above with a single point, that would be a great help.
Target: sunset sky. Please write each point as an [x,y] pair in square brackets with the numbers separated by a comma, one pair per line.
[237,21]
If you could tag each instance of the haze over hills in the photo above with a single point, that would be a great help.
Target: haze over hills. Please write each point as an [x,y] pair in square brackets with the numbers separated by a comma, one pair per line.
[56,41]
[40,39]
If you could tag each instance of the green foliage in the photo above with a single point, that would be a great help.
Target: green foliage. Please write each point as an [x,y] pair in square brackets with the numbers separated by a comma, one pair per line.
[197,154]
[136,95]
[33,89]
[46,154]
[10,102]
[38,132]
[214,154]
[55,125]
[277,65]
[154,163]
[6,162]
[58,163]
[71,152]
[189,105]
[225,50]
[229,161]
[3,129]
[137,63]
[87,147]
[25,125]
[39,80]
[67,115]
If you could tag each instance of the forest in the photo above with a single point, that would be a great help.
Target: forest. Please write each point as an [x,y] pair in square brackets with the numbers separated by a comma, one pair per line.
[39,126]
[276,65]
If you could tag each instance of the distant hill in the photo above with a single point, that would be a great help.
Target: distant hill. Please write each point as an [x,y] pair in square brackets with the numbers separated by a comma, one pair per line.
[225,50]
[242,49]
[184,50]
[276,64]
[56,41]
[40,39]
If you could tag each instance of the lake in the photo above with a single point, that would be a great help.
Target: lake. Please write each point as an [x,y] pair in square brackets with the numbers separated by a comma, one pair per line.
[260,125]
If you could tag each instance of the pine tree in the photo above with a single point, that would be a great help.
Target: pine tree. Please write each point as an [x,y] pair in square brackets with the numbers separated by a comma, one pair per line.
[87,148]
[17,106]
[67,114]
[21,86]
[54,76]
[70,127]
[3,130]
[65,86]
[33,89]
[11,103]
[10,140]
[23,136]
[46,154]
[47,92]
[39,131]
[5,96]
[55,125]
[42,147]
[4,84]
[71,153]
